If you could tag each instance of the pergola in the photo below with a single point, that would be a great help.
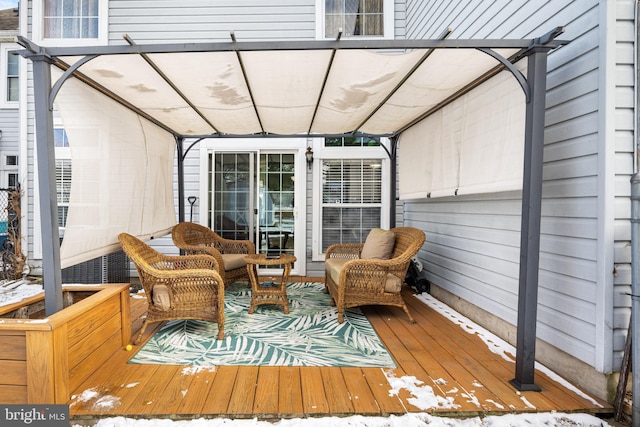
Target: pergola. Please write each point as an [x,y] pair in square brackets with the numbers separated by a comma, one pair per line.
[315,88]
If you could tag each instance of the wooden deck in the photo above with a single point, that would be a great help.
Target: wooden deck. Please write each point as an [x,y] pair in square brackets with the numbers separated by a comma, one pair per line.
[434,350]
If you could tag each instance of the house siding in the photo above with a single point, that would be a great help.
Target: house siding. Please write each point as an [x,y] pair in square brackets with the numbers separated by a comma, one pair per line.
[472,248]
[175,21]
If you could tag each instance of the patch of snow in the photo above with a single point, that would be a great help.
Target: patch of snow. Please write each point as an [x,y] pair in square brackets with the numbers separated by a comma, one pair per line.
[12,293]
[423,395]
[86,395]
[106,402]
[408,420]
[191,370]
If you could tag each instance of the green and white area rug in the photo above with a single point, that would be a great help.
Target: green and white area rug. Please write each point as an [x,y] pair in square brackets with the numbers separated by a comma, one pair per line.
[309,335]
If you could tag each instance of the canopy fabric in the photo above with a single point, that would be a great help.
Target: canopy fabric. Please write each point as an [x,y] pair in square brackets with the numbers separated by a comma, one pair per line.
[147,95]
[122,174]
[145,99]
[287,92]
[473,145]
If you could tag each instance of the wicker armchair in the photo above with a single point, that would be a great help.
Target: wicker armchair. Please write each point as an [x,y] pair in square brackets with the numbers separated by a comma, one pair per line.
[354,282]
[177,287]
[229,254]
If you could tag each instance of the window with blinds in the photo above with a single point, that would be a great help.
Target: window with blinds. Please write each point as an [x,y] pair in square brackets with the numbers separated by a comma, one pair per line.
[351,199]
[63,189]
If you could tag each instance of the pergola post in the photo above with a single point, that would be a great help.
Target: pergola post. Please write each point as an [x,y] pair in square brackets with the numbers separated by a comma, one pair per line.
[180,155]
[393,180]
[530,227]
[45,156]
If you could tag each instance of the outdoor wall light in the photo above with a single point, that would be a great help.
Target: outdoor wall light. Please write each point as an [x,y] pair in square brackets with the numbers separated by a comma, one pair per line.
[309,156]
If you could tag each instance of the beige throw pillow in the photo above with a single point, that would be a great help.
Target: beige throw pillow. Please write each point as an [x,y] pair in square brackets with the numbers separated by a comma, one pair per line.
[379,244]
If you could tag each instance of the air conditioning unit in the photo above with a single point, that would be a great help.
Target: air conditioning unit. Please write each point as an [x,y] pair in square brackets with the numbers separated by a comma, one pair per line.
[112,268]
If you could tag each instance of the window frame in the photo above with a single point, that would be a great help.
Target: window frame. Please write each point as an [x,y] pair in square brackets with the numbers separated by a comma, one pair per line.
[321,153]
[388,9]
[62,155]
[5,48]
[38,28]
[10,169]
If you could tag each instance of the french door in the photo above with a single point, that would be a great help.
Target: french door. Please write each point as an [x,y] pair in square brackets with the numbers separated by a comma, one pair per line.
[253,196]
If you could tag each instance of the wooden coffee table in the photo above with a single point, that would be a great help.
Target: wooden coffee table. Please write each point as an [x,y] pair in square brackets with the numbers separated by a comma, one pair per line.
[262,293]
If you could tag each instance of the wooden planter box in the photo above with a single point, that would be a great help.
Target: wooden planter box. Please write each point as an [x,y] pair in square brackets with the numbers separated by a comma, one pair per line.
[43,360]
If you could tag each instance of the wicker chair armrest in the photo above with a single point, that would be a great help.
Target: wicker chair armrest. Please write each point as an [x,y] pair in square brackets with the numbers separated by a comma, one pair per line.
[228,246]
[344,250]
[185,275]
[365,274]
[204,250]
[186,262]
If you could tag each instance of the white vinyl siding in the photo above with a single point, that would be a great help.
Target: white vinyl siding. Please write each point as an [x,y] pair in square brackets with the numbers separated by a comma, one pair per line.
[196,21]
[472,247]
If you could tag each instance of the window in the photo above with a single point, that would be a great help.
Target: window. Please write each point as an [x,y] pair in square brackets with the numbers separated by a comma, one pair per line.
[79,21]
[63,189]
[10,171]
[63,169]
[351,199]
[12,180]
[9,74]
[12,77]
[352,141]
[356,18]
[60,138]
[66,19]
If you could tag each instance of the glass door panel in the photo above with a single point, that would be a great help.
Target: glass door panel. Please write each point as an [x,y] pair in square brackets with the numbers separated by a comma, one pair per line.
[232,195]
[252,196]
[276,203]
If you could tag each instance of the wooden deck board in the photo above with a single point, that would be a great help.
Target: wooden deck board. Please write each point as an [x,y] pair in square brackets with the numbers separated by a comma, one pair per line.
[362,398]
[221,390]
[434,350]
[290,392]
[337,393]
[198,392]
[268,384]
[313,394]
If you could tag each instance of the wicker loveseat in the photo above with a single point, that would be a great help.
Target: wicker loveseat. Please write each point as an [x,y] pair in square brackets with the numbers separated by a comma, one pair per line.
[194,238]
[177,287]
[355,274]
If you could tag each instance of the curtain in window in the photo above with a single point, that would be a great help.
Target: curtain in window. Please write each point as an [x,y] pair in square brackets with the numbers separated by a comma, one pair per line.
[473,145]
[355,17]
[71,18]
[122,174]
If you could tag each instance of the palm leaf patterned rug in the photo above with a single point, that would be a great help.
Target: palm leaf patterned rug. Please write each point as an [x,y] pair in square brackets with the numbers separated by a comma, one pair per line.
[309,335]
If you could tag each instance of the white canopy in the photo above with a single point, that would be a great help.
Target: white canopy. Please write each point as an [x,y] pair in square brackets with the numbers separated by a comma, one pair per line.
[147,94]
[288,92]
